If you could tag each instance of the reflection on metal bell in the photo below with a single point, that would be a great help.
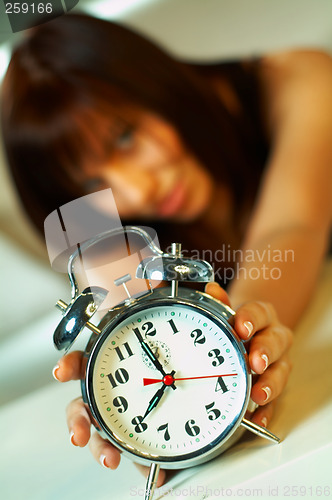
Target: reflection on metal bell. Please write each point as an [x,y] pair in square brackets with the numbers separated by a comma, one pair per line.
[77,316]
[170,268]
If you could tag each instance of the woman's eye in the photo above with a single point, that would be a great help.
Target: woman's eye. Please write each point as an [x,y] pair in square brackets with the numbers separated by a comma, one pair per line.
[126,139]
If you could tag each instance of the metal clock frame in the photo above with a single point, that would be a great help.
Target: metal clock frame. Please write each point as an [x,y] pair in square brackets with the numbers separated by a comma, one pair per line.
[170,267]
[216,312]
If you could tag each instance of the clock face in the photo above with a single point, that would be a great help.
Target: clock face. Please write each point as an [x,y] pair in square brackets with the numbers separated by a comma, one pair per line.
[191,411]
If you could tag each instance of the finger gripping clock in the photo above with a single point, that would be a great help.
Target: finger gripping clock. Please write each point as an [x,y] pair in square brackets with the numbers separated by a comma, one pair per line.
[166,379]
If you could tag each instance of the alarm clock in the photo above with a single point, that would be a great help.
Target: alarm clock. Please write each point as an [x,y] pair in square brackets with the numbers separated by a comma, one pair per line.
[165,378]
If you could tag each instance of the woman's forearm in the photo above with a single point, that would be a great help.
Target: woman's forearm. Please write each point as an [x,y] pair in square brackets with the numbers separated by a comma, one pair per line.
[282,270]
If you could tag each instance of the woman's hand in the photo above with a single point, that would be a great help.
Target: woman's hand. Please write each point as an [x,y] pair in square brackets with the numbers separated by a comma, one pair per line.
[269,343]
[268,350]
[70,368]
[78,420]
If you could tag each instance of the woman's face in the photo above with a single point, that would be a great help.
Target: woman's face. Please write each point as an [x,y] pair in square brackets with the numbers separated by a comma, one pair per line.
[153,176]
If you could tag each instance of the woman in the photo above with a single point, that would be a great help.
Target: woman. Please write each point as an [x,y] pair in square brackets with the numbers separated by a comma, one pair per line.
[235,154]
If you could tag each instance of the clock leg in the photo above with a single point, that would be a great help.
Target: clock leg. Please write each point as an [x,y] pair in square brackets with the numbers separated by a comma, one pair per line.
[259,430]
[151,481]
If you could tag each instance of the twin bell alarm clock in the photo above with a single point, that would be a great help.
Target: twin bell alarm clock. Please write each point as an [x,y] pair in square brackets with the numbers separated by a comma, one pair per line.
[166,378]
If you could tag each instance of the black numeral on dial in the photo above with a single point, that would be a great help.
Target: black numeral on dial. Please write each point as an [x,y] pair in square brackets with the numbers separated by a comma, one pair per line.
[164,427]
[191,428]
[120,403]
[198,336]
[221,386]
[121,376]
[125,355]
[139,425]
[213,413]
[173,326]
[147,328]
[217,358]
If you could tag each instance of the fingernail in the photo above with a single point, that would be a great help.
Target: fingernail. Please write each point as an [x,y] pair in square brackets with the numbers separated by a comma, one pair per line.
[266,360]
[267,391]
[72,440]
[249,326]
[102,460]
[55,369]
[264,422]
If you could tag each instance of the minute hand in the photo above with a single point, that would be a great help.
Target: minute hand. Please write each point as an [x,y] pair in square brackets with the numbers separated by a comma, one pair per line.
[148,351]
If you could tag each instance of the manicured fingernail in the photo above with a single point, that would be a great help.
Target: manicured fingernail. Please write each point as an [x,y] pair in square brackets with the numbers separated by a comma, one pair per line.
[55,369]
[264,422]
[266,360]
[267,391]
[72,440]
[102,460]
[249,326]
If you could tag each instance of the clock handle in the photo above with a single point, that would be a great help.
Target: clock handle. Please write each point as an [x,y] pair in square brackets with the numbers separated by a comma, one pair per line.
[151,481]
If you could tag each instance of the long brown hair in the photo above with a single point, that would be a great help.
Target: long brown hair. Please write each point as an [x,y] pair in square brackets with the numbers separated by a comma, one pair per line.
[69,76]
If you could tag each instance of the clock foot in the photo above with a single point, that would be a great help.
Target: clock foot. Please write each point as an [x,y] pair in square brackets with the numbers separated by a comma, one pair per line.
[260,431]
[151,481]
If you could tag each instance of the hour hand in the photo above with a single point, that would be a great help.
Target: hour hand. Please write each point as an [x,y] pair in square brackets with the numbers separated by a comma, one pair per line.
[158,395]
[148,351]
[154,400]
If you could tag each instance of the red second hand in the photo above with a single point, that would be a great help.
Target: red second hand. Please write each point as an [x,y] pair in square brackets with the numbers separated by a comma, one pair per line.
[168,379]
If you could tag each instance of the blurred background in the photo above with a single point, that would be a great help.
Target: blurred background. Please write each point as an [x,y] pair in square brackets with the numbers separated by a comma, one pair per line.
[190,29]
[32,416]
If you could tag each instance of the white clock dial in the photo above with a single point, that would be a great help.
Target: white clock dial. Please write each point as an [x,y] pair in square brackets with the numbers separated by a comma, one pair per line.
[199,404]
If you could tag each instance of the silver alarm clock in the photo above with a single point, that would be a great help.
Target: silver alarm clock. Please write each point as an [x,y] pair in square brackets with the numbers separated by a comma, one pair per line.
[166,378]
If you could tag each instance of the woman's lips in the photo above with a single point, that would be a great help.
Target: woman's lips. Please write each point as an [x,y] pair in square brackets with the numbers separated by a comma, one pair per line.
[171,204]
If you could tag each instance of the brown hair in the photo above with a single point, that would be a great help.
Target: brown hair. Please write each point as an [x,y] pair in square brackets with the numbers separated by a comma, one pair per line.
[68,78]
